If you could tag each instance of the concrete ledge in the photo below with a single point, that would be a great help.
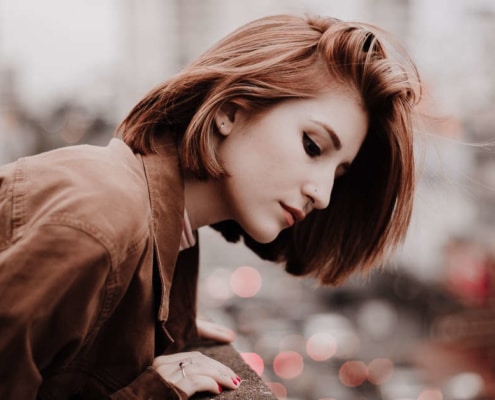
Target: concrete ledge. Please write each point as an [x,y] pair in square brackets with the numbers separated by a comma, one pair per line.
[252,386]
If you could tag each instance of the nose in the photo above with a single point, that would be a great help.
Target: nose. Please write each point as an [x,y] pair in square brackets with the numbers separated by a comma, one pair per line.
[319,190]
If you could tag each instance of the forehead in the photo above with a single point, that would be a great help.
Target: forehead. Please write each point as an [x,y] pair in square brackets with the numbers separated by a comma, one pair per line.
[339,107]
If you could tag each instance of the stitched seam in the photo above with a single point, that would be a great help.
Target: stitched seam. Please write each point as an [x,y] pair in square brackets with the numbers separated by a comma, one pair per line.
[87,228]
[112,281]
[138,243]
[97,234]
[8,241]
[18,199]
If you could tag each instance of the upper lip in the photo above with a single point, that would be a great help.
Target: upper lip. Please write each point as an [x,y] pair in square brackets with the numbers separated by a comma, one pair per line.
[296,213]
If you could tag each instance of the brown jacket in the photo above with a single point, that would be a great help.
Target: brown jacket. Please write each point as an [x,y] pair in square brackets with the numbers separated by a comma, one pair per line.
[89,288]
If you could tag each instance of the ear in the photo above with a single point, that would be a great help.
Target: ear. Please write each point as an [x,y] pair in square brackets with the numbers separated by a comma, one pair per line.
[225,118]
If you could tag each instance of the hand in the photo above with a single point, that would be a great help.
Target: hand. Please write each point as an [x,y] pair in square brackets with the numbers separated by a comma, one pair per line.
[213,331]
[198,373]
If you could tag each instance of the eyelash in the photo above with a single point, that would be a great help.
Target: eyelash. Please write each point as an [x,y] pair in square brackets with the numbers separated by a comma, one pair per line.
[310,146]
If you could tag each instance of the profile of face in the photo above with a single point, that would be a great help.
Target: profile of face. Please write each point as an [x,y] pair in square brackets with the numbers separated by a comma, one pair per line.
[282,163]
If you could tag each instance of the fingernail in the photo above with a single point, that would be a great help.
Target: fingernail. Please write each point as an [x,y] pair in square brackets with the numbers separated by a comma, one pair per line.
[238,378]
[235,381]
[220,390]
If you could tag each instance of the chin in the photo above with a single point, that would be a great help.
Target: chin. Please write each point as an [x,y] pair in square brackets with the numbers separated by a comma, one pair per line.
[264,237]
[260,230]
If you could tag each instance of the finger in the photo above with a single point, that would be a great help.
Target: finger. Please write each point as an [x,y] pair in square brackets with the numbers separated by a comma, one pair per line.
[224,334]
[203,365]
[228,381]
[199,361]
[215,370]
[212,381]
[199,383]
[176,357]
[199,376]
[169,367]
[214,331]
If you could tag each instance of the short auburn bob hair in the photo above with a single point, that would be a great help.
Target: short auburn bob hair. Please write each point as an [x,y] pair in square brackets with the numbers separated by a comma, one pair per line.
[283,57]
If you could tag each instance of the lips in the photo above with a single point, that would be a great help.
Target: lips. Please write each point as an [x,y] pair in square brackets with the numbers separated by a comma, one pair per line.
[292,215]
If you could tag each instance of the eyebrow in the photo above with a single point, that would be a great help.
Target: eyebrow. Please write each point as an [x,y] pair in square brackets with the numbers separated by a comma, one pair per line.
[333,135]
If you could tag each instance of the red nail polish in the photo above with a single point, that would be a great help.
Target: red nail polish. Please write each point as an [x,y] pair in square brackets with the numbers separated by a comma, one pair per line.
[234,381]
[238,378]
[220,388]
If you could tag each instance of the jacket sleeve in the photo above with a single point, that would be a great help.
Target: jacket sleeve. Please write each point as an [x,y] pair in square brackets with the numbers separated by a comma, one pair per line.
[183,308]
[149,385]
[53,285]
[181,324]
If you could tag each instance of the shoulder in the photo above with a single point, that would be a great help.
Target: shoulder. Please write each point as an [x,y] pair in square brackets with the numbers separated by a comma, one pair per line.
[100,189]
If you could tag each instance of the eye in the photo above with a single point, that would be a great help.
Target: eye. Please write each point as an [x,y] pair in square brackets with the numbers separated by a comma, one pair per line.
[310,147]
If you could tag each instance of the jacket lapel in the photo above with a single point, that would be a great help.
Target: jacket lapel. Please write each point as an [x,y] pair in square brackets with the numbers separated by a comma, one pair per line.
[166,192]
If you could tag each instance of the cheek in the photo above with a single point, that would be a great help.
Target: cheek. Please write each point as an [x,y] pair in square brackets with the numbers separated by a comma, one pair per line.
[255,164]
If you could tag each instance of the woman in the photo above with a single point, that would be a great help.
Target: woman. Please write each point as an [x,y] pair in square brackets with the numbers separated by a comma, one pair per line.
[98,252]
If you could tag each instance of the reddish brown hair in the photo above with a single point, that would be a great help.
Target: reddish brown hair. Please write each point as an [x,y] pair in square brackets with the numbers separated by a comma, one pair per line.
[282,57]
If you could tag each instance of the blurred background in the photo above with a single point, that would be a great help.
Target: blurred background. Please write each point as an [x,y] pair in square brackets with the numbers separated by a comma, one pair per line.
[420,329]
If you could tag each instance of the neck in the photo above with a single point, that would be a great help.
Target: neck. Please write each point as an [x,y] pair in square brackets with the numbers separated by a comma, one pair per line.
[204,202]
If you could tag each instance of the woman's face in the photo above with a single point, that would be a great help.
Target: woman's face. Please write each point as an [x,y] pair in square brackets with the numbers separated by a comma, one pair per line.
[287,157]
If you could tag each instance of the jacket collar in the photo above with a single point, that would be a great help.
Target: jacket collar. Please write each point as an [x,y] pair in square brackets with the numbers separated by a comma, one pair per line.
[166,192]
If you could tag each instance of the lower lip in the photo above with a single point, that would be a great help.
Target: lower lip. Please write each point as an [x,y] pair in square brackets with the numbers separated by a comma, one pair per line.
[288,218]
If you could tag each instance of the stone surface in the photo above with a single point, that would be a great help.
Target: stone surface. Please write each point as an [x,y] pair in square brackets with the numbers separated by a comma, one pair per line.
[252,386]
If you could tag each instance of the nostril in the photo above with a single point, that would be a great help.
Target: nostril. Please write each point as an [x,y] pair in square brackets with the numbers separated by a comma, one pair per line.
[309,205]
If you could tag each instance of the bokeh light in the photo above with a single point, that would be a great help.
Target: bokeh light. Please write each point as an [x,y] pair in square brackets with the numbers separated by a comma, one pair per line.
[377,318]
[341,329]
[321,346]
[245,281]
[216,284]
[278,390]
[465,386]
[430,394]
[288,364]
[380,370]
[353,373]
[254,361]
